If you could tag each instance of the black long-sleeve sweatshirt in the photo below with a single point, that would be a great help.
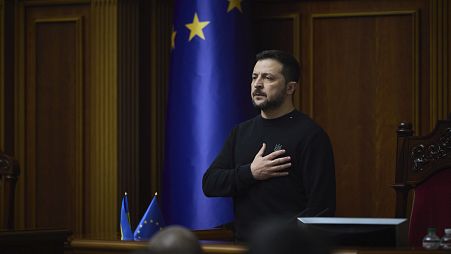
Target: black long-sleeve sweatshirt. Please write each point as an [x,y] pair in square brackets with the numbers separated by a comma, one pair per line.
[308,190]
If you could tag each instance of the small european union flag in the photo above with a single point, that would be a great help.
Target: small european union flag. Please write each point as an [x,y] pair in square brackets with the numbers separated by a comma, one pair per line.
[126,230]
[151,222]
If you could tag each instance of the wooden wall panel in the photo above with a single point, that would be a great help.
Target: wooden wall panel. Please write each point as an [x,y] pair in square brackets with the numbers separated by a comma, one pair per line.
[120,50]
[7,61]
[364,70]
[143,61]
[439,60]
[447,41]
[447,53]
[54,103]
[364,82]
[160,34]
[2,96]
[128,103]
[56,98]
[2,80]
[286,27]
[102,198]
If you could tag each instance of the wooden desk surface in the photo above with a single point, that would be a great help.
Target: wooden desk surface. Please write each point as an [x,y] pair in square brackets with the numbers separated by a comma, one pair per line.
[56,241]
[86,246]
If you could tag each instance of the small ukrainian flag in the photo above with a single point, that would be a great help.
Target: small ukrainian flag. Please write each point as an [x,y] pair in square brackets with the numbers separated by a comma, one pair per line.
[126,230]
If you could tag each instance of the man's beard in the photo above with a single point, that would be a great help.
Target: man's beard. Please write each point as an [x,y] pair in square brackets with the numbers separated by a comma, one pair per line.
[272,104]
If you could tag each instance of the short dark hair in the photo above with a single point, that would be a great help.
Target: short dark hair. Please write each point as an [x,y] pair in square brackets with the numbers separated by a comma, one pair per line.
[175,239]
[290,65]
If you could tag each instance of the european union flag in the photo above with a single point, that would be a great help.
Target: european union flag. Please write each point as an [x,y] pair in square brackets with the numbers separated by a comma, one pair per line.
[151,222]
[126,230]
[209,93]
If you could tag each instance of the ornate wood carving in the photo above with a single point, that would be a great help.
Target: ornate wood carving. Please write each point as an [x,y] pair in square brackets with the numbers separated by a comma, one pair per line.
[8,167]
[9,171]
[423,154]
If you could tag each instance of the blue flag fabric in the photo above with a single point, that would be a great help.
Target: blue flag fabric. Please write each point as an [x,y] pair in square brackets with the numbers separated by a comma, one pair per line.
[126,230]
[209,93]
[151,222]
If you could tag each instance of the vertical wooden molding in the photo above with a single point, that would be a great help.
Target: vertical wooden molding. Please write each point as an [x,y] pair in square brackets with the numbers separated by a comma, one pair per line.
[154,152]
[160,50]
[128,103]
[447,57]
[439,58]
[432,65]
[79,143]
[2,76]
[416,70]
[30,120]
[7,61]
[102,164]
[19,113]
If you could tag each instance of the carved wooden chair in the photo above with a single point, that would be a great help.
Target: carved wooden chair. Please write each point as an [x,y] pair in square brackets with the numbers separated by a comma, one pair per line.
[423,179]
[9,171]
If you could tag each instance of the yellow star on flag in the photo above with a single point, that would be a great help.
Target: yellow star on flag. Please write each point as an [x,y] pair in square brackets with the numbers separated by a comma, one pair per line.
[234,4]
[174,33]
[196,28]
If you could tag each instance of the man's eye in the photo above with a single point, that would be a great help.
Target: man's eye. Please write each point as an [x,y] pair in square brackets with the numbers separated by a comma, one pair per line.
[269,78]
[254,77]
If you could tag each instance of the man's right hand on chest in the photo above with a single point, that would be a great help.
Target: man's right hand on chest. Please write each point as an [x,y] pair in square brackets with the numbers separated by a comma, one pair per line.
[271,165]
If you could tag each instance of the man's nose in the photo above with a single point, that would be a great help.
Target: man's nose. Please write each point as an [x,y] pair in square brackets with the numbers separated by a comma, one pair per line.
[258,82]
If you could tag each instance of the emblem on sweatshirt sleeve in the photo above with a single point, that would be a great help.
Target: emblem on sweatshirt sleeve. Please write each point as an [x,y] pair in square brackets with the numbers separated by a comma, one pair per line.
[277,147]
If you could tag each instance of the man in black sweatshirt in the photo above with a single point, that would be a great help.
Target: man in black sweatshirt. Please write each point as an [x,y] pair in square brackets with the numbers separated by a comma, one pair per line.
[279,164]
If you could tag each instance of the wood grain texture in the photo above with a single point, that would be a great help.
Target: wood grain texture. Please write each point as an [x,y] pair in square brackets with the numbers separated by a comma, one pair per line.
[102,126]
[7,61]
[2,75]
[365,69]
[439,11]
[54,107]
[363,83]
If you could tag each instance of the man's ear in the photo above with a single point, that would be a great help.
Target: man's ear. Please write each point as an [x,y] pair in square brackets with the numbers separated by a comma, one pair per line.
[291,87]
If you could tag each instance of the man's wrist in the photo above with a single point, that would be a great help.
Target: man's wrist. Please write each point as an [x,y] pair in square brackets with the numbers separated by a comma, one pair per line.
[245,174]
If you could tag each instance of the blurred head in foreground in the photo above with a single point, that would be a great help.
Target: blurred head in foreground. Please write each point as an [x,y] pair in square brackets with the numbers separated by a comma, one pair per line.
[175,239]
